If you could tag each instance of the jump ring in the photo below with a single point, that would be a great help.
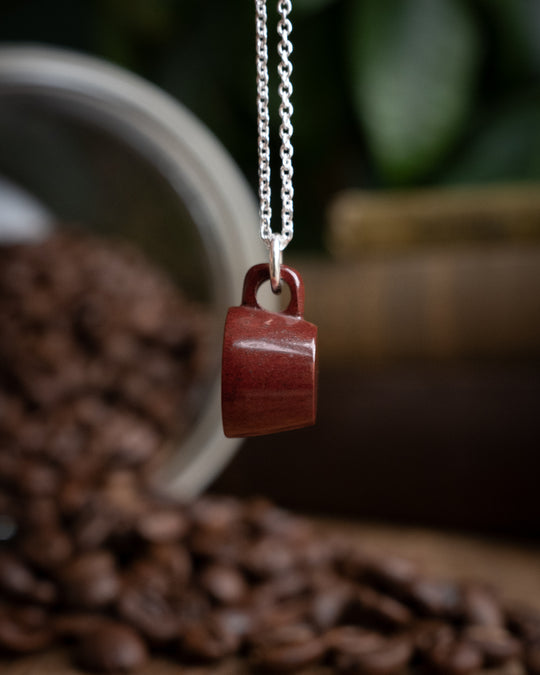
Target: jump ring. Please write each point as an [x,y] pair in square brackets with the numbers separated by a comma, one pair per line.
[275,264]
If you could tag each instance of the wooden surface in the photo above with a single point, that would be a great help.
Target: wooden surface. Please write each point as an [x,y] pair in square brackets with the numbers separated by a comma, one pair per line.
[514,568]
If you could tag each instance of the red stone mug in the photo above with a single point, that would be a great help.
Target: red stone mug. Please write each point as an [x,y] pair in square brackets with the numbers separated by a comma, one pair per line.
[269,370]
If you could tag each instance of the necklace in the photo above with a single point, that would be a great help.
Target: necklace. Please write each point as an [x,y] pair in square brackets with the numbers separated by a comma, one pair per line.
[269,366]
[276,242]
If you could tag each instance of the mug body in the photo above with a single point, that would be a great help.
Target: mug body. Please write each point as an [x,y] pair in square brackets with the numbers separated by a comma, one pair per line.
[268,372]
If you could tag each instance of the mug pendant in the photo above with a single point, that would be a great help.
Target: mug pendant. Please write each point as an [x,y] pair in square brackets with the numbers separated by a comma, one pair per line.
[269,367]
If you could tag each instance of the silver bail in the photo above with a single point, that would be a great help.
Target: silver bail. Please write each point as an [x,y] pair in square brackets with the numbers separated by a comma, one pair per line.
[276,258]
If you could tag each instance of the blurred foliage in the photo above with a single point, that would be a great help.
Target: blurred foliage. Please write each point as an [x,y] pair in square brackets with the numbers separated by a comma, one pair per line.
[387,93]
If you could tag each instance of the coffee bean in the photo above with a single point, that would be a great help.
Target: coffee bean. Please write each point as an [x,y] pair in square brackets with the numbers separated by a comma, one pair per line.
[238,621]
[481,606]
[46,549]
[162,525]
[217,547]
[270,520]
[269,557]
[290,633]
[329,605]
[110,648]
[223,583]
[532,658]
[37,479]
[389,656]
[455,658]
[277,615]
[374,608]
[71,625]
[496,644]
[16,579]
[94,523]
[24,629]
[173,562]
[288,649]
[352,638]
[430,633]
[436,598]
[392,573]
[150,609]
[209,640]
[524,622]
[89,580]
[289,585]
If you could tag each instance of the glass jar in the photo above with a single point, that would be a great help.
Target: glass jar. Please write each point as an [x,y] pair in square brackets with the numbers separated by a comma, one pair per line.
[84,142]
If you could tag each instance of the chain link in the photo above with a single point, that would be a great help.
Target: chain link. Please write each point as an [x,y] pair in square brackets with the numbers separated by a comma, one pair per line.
[285,89]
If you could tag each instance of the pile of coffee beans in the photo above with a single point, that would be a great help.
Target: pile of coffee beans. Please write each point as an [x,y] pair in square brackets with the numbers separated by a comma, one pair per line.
[122,573]
[96,356]
[98,352]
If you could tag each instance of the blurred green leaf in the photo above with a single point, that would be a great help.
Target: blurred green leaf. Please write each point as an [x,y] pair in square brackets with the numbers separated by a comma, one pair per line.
[506,146]
[413,65]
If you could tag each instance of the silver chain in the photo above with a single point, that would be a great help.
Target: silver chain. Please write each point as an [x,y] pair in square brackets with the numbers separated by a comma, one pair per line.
[276,242]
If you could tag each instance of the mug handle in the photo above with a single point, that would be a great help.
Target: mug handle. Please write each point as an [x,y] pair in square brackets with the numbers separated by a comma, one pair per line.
[258,274]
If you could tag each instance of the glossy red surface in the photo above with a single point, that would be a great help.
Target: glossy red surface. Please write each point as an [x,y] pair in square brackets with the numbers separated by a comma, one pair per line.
[269,369]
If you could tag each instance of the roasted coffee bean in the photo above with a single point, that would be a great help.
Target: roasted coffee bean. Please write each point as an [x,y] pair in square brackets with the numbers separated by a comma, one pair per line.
[291,633]
[384,657]
[436,598]
[524,622]
[216,547]
[374,608]
[24,629]
[269,557]
[329,605]
[347,638]
[94,523]
[209,640]
[481,606]
[532,658]
[269,520]
[128,440]
[18,581]
[292,584]
[73,497]
[223,584]
[288,649]
[455,658]
[389,573]
[496,644]
[236,620]
[37,479]
[171,561]
[161,525]
[153,613]
[427,634]
[112,647]
[90,580]
[392,573]
[46,549]
[315,554]
[71,625]
[277,615]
